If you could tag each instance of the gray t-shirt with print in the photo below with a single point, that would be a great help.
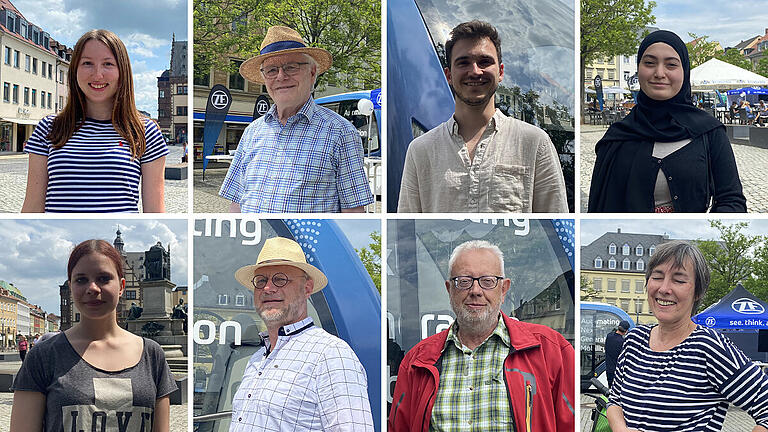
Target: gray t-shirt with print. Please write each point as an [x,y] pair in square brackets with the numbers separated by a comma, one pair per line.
[80,397]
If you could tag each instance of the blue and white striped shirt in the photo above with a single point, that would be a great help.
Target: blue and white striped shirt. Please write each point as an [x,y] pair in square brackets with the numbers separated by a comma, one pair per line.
[688,387]
[313,163]
[94,170]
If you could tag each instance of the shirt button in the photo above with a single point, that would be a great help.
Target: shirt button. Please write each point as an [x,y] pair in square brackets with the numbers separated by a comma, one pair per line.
[275,365]
[471,388]
[669,178]
[239,419]
[249,396]
[659,161]
[675,197]
[259,373]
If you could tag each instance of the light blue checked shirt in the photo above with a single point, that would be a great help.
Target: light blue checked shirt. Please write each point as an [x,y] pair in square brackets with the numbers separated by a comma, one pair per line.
[313,163]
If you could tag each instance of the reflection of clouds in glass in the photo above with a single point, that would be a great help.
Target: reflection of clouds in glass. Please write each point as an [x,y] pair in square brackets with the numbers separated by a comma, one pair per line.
[536,39]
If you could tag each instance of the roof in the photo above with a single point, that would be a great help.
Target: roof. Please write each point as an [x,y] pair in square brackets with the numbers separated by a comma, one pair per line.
[7,5]
[747,43]
[599,248]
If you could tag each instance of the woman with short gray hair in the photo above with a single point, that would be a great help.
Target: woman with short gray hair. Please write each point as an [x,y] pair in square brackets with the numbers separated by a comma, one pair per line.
[678,376]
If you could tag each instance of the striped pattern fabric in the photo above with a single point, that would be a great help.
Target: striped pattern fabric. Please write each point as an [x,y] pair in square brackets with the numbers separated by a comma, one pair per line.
[688,387]
[313,163]
[472,395]
[311,381]
[94,170]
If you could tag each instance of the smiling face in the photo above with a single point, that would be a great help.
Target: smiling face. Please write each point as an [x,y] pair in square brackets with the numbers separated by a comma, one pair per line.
[279,306]
[96,286]
[289,91]
[98,75]
[660,72]
[475,71]
[671,292]
[476,306]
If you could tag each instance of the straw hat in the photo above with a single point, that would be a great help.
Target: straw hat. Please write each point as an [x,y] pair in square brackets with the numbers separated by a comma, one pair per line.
[283,40]
[281,251]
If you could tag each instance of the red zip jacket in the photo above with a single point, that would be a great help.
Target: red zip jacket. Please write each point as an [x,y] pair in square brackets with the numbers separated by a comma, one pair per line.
[538,372]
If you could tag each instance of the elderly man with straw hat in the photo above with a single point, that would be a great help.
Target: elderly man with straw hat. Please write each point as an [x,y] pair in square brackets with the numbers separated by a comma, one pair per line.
[303,378]
[298,157]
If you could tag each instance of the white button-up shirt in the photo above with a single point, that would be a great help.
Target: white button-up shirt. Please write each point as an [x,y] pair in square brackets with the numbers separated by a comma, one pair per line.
[309,381]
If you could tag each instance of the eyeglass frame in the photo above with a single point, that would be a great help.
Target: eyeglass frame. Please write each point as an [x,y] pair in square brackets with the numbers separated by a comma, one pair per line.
[298,68]
[272,278]
[455,281]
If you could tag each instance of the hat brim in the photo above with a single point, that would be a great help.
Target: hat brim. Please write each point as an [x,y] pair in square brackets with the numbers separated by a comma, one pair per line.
[244,275]
[250,69]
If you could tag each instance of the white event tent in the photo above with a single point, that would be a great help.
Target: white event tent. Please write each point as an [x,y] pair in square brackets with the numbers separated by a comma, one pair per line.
[716,74]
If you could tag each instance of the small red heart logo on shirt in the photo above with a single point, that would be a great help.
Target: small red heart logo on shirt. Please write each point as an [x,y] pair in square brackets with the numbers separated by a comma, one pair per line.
[121,143]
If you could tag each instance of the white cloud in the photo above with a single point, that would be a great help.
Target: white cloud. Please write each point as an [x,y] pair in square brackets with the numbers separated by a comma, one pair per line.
[145,89]
[144,45]
[54,18]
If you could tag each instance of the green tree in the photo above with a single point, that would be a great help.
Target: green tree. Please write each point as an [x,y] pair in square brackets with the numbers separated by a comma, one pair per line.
[349,29]
[700,51]
[610,28]
[371,258]
[730,259]
[734,57]
[587,290]
[761,68]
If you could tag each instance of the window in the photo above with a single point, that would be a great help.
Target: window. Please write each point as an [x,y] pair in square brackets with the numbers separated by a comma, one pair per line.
[611,74]
[42,99]
[42,69]
[130,295]
[182,89]
[10,22]
[161,112]
[27,61]
[61,76]
[34,97]
[625,304]
[49,101]
[611,285]
[202,79]
[7,55]
[16,55]
[236,81]
[639,250]
[639,306]
[239,300]
[612,249]
[625,265]
[23,28]
[181,111]
[598,262]
[50,71]
[6,92]
[162,94]
[651,250]
[612,264]
[34,66]
[35,36]
[625,285]
[26,96]
[625,249]
[611,301]
[222,299]
[639,287]
[588,74]
[640,265]
[597,284]
[77,316]
[626,59]
[61,103]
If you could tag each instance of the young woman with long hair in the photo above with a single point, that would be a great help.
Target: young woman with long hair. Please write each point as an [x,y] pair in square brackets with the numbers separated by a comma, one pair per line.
[92,156]
[95,375]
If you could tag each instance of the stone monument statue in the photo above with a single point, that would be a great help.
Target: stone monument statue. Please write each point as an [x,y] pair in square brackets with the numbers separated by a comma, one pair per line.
[157,262]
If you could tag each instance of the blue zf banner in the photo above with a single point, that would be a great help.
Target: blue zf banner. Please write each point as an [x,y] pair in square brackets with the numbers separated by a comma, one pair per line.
[261,107]
[219,101]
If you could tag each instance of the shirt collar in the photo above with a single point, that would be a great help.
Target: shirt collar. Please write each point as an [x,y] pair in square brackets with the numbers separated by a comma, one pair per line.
[453,126]
[500,331]
[291,329]
[307,111]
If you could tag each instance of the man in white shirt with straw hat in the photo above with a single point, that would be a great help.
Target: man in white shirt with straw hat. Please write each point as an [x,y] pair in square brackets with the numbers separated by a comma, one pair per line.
[298,157]
[303,378]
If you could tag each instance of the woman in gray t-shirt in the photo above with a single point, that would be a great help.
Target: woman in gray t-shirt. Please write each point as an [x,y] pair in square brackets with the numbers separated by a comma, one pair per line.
[96,375]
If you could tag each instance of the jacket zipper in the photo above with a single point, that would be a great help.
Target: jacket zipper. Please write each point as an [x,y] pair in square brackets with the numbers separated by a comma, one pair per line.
[528,407]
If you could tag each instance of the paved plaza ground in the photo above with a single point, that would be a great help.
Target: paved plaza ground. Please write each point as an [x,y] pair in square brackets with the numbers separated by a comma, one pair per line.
[13,183]
[751,162]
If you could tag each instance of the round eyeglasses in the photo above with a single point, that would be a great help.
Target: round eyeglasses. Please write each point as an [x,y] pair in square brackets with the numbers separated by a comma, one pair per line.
[279,280]
[288,69]
[485,282]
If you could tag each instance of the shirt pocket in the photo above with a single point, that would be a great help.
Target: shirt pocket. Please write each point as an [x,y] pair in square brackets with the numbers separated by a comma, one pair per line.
[507,188]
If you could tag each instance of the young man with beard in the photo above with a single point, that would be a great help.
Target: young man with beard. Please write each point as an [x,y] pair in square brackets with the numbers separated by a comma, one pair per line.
[487,372]
[303,378]
[480,160]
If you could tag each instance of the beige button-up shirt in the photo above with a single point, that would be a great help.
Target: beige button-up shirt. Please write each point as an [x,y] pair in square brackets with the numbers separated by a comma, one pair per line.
[515,170]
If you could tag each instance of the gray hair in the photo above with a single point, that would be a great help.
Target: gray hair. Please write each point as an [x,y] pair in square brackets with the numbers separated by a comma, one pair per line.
[475,245]
[312,63]
[678,252]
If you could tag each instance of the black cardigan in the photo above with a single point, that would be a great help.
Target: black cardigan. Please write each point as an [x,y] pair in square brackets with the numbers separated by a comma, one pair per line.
[625,173]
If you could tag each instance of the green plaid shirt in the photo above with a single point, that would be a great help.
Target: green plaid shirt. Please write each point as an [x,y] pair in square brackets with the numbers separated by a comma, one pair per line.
[472,395]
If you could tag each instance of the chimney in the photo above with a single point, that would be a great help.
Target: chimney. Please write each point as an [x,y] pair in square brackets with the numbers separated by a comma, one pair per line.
[618,230]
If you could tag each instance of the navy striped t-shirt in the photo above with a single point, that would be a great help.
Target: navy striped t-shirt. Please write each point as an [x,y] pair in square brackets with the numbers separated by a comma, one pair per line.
[688,387]
[94,170]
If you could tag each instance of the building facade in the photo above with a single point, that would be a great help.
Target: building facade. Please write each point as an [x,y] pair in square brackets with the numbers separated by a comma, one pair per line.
[172,87]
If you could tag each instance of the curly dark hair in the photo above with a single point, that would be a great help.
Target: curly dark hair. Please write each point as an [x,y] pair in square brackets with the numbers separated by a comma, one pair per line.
[473,30]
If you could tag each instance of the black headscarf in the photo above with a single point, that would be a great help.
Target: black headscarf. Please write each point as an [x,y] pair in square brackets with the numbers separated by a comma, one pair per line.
[674,119]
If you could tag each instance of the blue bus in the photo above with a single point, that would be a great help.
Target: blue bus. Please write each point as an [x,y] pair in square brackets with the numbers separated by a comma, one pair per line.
[597,320]
[345,105]
[226,325]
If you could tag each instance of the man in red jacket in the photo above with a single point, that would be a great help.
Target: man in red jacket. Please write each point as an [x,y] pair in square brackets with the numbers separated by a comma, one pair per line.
[487,372]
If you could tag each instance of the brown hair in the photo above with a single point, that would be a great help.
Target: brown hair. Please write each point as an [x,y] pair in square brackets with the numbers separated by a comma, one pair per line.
[125,117]
[95,246]
[473,30]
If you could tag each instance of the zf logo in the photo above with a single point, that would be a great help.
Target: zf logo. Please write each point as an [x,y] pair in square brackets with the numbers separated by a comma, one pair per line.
[219,99]
[747,306]
[262,107]
[710,321]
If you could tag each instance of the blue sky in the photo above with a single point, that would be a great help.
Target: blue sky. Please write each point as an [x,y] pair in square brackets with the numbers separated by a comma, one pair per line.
[35,252]
[358,230]
[144,26]
[726,22]
[697,229]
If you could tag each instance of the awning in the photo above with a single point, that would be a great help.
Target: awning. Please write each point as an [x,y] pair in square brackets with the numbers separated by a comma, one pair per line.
[20,121]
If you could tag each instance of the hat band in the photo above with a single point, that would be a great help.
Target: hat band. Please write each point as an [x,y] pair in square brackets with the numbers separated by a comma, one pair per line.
[281,45]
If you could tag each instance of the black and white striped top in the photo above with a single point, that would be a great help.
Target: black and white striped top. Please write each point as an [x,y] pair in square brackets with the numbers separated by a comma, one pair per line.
[688,387]
[94,170]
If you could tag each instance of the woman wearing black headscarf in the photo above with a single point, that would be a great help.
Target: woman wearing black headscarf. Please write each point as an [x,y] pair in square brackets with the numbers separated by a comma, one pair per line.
[666,155]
